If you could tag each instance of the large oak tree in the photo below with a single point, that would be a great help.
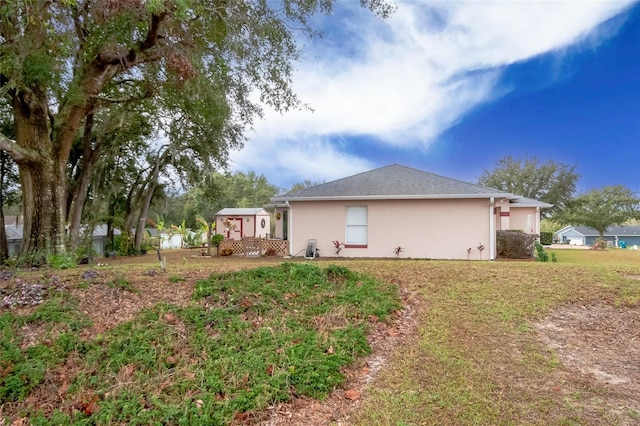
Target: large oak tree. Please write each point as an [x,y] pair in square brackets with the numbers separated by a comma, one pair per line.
[549,181]
[64,61]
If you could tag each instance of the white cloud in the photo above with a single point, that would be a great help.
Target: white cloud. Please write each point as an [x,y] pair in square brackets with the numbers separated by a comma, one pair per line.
[411,77]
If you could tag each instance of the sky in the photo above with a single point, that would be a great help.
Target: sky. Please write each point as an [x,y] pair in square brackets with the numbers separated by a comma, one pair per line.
[452,87]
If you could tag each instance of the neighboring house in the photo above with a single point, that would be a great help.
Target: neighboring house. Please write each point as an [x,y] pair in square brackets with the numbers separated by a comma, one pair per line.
[616,236]
[14,238]
[427,215]
[238,223]
[99,239]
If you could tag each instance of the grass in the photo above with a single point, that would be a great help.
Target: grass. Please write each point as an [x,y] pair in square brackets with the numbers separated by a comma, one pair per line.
[257,337]
[249,339]
[477,359]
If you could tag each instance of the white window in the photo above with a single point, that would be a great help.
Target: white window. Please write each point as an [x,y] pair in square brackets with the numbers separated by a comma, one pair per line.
[356,226]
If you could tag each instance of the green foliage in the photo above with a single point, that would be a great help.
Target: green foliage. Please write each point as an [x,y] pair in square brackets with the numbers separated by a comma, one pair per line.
[602,208]
[541,254]
[262,337]
[121,283]
[216,239]
[554,258]
[62,261]
[515,244]
[546,238]
[551,182]
[23,364]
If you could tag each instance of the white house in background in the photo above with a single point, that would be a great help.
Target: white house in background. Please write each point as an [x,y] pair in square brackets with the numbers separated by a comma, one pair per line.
[427,215]
[239,223]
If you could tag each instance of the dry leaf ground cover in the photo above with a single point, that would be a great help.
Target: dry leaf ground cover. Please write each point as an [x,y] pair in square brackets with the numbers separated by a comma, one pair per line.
[475,342]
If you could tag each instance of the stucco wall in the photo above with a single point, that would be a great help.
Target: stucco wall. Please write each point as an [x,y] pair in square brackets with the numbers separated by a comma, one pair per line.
[524,219]
[436,229]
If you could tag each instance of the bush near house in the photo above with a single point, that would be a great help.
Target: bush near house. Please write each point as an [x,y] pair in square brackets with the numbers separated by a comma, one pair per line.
[546,238]
[515,244]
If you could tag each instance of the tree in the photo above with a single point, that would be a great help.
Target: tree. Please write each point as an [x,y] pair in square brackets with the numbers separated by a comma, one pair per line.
[61,62]
[551,182]
[601,208]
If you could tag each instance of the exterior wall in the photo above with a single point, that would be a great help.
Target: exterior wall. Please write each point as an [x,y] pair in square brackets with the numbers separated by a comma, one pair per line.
[260,230]
[280,223]
[246,225]
[525,219]
[503,215]
[436,229]
[629,240]
[571,236]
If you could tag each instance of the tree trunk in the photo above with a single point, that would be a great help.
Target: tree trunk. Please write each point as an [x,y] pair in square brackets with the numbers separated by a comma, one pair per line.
[43,187]
[151,187]
[80,194]
[4,248]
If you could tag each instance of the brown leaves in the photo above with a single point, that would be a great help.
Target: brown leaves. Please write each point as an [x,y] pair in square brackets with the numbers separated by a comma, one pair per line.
[352,395]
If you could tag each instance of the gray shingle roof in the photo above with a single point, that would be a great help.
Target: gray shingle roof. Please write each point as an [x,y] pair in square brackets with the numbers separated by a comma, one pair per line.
[611,231]
[394,181]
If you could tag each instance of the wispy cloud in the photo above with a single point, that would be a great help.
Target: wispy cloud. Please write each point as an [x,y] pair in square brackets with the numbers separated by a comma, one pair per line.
[407,79]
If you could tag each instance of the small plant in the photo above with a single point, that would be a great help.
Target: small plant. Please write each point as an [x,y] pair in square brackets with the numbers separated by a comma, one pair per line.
[226,252]
[554,259]
[397,250]
[600,245]
[480,249]
[62,261]
[175,279]
[337,247]
[121,283]
[541,255]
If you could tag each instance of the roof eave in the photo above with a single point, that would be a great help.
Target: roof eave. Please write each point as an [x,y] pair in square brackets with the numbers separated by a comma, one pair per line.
[391,197]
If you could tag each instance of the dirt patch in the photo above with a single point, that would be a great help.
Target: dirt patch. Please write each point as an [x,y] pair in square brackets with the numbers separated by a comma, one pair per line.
[600,343]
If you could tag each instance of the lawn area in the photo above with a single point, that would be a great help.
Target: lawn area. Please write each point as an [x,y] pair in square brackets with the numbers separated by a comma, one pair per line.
[250,341]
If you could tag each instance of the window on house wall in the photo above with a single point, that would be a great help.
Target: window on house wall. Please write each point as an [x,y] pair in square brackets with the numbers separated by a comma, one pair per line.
[356,226]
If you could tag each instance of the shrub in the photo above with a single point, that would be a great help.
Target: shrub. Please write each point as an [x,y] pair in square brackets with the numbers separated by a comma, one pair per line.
[546,238]
[541,255]
[600,245]
[515,244]
[226,252]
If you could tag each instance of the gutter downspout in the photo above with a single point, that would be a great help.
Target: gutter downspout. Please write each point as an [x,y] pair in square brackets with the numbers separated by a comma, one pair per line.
[290,228]
[492,230]
[538,221]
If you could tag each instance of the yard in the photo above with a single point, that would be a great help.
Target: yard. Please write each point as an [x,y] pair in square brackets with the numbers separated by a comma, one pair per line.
[475,342]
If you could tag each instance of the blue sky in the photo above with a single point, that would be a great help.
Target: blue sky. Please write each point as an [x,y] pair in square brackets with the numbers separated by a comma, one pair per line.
[452,87]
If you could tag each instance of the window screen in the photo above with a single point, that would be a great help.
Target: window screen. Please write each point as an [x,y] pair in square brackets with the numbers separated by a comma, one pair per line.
[356,225]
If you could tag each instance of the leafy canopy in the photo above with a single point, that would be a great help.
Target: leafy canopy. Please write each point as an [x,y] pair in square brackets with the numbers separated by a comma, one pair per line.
[549,181]
[602,208]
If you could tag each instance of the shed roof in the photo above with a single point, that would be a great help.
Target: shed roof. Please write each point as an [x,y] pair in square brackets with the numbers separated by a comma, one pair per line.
[247,211]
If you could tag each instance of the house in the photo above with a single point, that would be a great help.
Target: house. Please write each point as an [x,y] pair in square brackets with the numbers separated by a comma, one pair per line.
[99,238]
[616,236]
[239,223]
[14,238]
[426,215]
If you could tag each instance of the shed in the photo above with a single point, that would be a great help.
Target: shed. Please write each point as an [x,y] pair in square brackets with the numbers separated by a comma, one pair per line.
[239,223]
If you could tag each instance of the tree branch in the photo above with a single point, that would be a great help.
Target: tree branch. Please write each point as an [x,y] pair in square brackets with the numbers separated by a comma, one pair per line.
[18,153]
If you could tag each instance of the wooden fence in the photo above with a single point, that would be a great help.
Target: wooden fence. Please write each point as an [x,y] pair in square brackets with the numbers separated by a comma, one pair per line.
[253,247]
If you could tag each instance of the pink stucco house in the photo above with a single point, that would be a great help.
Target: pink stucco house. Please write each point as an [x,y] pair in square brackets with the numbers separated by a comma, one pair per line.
[427,215]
